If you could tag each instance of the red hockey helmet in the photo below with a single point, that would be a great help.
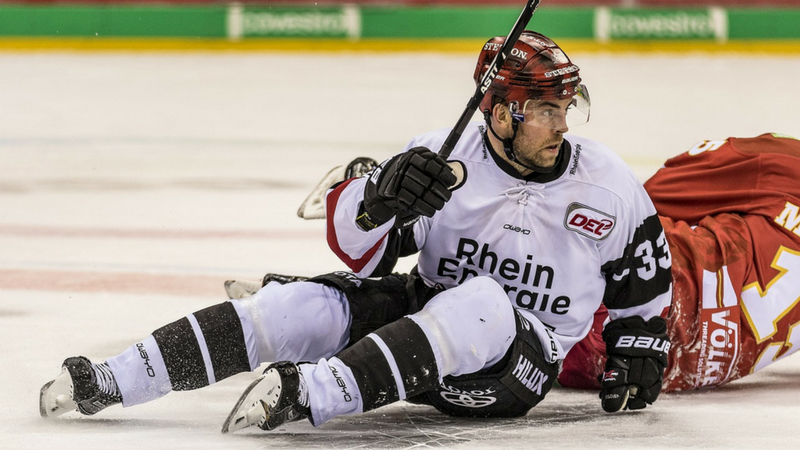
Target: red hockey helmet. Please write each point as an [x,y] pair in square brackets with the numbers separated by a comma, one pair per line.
[536,69]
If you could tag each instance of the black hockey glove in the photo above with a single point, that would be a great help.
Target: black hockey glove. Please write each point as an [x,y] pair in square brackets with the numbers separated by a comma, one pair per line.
[637,356]
[412,184]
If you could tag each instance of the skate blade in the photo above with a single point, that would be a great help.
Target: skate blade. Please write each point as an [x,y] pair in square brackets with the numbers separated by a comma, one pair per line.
[313,207]
[255,404]
[55,397]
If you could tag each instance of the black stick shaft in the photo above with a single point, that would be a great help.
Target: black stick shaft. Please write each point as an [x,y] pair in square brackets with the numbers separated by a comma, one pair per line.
[488,78]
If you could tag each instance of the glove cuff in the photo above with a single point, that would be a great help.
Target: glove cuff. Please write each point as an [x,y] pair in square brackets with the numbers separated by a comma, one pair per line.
[369,221]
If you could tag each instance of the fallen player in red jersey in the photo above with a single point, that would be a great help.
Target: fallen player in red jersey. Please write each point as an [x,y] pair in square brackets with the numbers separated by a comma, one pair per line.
[731,213]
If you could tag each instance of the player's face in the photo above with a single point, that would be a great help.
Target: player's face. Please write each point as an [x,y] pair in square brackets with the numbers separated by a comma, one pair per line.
[540,136]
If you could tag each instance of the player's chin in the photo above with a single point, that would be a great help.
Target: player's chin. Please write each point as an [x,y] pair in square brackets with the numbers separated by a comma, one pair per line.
[547,156]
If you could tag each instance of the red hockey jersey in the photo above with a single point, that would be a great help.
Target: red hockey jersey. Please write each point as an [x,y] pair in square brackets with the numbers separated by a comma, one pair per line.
[731,211]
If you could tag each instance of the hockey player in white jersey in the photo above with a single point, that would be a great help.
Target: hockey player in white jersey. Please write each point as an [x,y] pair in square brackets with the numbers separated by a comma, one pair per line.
[514,257]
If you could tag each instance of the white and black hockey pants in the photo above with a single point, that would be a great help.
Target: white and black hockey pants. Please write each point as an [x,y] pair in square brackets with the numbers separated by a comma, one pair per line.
[465,351]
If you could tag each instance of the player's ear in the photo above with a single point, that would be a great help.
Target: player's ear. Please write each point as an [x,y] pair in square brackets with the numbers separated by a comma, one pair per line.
[501,117]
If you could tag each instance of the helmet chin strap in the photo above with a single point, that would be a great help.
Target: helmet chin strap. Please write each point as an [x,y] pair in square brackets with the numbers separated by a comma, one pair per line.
[508,147]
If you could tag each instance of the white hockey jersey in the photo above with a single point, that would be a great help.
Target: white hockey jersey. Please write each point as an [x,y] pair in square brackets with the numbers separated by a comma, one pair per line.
[559,243]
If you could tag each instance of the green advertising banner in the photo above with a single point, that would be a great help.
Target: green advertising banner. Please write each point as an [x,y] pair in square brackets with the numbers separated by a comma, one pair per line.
[112,21]
[628,23]
[330,22]
[352,25]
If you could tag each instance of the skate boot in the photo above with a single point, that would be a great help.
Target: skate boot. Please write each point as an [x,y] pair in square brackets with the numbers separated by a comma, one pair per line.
[237,289]
[313,207]
[81,386]
[277,397]
[282,279]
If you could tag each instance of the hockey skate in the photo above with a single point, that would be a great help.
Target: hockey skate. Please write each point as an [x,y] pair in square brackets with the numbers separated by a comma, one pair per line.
[237,289]
[77,387]
[313,207]
[277,397]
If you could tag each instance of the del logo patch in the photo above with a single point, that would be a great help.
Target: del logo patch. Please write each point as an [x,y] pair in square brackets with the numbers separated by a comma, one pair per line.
[589,222]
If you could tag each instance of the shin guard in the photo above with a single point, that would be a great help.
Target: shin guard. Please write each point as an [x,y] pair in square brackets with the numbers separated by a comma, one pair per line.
[391,364]
[204,347]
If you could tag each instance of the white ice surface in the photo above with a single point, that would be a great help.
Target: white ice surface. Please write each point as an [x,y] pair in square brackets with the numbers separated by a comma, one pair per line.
[132,185]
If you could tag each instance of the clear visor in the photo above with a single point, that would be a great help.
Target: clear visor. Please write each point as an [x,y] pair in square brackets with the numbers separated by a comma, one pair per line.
[552,113]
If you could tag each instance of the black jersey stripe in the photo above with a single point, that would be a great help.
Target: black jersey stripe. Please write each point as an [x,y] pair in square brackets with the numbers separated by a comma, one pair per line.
[399,243]
[644,271]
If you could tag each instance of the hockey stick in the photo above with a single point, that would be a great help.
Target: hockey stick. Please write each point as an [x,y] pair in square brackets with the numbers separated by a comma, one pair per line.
[488,78]
[312,207]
